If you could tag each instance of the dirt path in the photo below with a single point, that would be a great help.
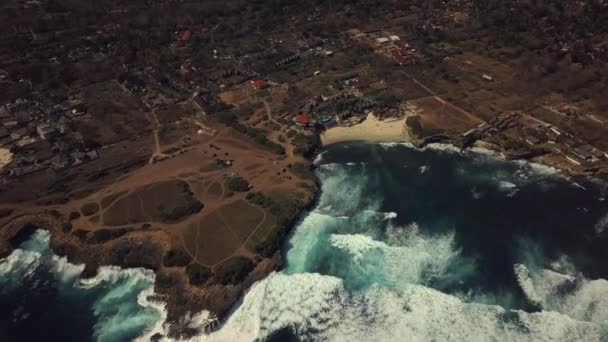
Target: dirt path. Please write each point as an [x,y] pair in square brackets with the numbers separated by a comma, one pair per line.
[157,150]
[269,113]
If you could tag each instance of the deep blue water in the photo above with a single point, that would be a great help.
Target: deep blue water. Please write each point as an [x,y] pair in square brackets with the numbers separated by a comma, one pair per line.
[403,244]
[43,299]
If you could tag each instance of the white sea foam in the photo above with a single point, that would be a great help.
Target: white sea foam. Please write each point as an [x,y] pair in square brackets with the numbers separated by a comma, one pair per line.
[423,169]
[121,308]
[319,158]
[601,225]
[389,145]
[319,308]
[579,298]
[477,194]
[438,147]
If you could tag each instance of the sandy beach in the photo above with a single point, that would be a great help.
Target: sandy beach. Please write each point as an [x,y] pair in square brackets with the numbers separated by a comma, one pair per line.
[371,129]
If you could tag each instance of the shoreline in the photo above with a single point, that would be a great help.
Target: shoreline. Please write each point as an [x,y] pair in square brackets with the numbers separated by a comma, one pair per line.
[371,129]
[394,130]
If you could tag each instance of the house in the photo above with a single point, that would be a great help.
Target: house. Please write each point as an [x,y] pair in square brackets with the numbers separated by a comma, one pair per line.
[185,36]
[60,161]
[361,84]
[488,78]
[394,38]
[532,140]
[382,40]
[44,130]
[259,84]
[303,120]
[588,153]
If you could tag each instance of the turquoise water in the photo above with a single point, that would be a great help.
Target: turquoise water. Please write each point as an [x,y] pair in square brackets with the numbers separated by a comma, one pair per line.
[436,245]
[403,244]
[43,299]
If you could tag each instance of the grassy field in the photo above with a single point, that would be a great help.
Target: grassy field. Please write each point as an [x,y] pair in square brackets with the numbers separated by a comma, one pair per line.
[168,201]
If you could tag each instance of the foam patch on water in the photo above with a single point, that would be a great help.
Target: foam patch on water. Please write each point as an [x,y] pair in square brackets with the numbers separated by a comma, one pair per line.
[319,158]
[601,225]
[579,298]
[319,308]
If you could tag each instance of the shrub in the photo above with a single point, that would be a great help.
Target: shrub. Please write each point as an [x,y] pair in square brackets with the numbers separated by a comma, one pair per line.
[414,123]
[237,184]
[104,235]
[176,258]
[191,206]
[305,145]
[233,270]
[90,209]
[74,215]
[301,170]
[197,274]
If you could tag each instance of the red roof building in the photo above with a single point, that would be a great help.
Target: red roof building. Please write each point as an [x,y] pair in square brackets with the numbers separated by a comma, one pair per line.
[303,119]
[186,36]
[259,84]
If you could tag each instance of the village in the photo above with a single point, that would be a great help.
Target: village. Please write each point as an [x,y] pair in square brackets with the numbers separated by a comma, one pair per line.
[179,135]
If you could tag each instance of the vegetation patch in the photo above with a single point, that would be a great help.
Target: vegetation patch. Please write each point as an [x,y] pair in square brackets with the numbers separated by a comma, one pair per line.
[233,270]
[198,275]
[167,202]
[267,239]
[176,257]
[301,170]
[258,135]
[105,235]
[306,144]
[74,215]
[89,209]
[415,125]
[237,184]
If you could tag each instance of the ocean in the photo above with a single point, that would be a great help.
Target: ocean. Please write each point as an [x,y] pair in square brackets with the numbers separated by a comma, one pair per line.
[403,244]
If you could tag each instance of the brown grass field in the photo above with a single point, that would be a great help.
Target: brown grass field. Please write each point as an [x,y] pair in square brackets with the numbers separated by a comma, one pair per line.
[146,204]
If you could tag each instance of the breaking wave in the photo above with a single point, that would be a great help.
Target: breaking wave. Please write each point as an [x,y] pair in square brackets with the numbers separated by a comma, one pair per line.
[117,297]
[355,271]
[353,274]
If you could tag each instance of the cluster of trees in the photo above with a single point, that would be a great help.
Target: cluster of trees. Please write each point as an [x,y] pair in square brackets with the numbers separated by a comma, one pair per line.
[258,135]
[176,257]
[237,184]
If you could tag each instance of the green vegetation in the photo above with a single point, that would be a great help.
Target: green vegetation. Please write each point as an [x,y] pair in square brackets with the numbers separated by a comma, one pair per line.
[258,135]
[104,235]
[260,199]
[192,206]
[90,209]
[285,211]
[198,275]
[237,184]
[233,270]
[74,215]
[414,123]
[176,258]
[306,144]
[301,170]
